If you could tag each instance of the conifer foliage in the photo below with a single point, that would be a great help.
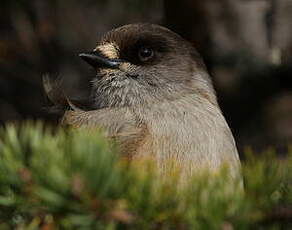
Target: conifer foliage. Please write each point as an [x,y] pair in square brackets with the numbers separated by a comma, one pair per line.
[69,179]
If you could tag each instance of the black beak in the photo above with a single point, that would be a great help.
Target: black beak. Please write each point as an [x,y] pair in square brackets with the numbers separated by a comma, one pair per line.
[97,60]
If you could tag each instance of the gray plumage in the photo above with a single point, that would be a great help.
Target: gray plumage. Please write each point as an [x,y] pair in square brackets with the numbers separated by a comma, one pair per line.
[162,106]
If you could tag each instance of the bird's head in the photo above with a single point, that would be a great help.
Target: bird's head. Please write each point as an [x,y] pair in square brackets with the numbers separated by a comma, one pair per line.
[143,63]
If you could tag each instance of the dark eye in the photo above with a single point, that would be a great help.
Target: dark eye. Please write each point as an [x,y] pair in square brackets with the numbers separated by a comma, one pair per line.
[145,53]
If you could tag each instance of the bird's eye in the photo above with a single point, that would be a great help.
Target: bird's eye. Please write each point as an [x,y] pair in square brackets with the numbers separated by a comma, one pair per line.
[145,53]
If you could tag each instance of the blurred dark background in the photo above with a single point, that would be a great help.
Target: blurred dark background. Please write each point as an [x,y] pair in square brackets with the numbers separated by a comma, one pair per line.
[246,44]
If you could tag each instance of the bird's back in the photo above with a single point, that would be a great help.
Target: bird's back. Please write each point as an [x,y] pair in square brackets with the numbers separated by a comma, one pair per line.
[190,131]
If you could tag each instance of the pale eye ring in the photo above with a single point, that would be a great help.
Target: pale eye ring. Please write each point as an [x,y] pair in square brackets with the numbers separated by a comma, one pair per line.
[145,53]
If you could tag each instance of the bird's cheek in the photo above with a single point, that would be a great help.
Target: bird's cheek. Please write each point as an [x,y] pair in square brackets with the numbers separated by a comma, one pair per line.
[126,67]
[103,72]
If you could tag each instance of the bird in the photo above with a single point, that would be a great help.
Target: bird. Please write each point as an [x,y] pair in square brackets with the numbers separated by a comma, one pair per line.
[152,93]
